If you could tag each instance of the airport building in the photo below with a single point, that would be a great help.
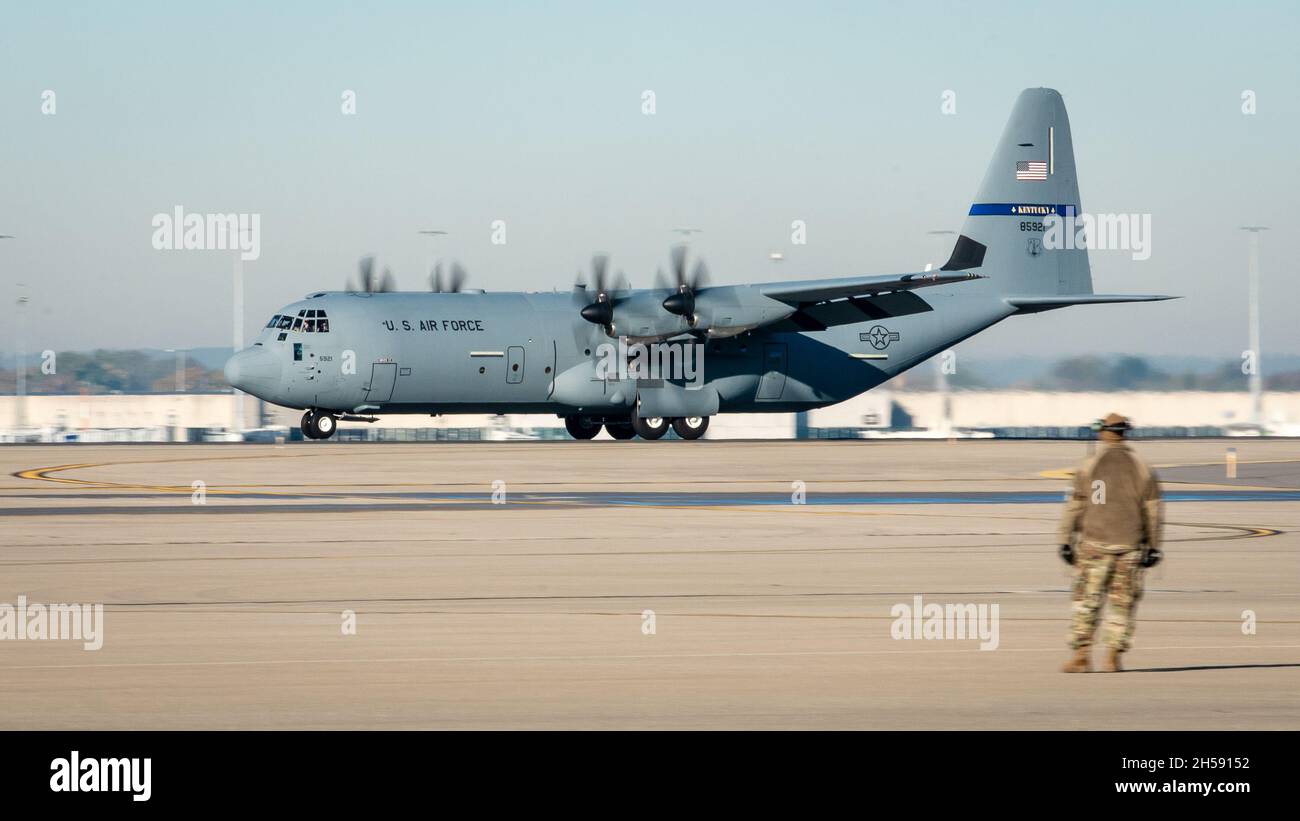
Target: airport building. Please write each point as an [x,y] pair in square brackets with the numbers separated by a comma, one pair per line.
[878,413]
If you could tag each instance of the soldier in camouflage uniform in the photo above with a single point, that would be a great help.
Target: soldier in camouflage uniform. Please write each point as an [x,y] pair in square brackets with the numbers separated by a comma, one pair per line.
[1115,508]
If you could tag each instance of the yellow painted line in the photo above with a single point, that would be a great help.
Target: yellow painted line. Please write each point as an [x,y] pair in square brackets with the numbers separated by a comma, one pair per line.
[45,474]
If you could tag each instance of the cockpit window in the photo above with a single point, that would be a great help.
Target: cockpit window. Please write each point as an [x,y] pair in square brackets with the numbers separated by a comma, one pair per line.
[307,321]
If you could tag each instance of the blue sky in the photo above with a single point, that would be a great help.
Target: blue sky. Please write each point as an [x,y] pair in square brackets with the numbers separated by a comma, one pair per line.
[531,113]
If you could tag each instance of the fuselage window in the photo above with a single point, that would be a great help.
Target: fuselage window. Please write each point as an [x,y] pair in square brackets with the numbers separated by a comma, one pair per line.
[285,322]
[297,323]
[297,352]
[274,321]
[309,326]
[323,326]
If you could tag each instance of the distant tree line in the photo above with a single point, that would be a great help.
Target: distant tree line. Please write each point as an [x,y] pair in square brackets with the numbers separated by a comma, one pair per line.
[1128,373]
[104,371]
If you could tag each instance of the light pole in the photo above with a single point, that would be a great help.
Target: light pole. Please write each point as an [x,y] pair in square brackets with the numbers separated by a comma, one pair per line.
[237,396]
[20,365]
[180,367]
[1256,372]
[20,369]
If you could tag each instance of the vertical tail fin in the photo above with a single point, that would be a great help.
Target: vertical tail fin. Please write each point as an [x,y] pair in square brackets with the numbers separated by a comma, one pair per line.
[1032,175]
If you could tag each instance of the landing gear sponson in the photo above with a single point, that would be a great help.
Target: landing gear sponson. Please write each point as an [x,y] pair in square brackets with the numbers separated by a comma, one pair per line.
[318,424]
[628,427]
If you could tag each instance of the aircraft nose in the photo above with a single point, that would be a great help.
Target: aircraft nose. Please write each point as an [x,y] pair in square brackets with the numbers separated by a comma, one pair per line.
[253,370]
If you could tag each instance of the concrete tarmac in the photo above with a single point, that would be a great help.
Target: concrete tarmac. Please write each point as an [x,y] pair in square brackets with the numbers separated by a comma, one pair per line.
[228,574]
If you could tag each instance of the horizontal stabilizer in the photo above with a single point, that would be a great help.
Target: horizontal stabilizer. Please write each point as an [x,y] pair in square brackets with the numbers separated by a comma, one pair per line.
[1036,303]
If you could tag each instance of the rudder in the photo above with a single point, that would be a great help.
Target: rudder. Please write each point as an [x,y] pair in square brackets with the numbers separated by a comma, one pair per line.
[1032,175]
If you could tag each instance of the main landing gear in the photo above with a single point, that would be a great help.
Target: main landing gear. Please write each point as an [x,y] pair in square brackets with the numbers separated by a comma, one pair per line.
[318,424]
[691,427]
[630,427]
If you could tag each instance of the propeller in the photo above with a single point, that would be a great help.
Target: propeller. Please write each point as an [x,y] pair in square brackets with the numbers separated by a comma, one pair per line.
[451,285]
[371,284]
[600,311]
[682,300]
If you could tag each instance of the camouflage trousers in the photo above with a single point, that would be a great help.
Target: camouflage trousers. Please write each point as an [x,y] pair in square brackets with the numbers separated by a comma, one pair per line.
[1117,577]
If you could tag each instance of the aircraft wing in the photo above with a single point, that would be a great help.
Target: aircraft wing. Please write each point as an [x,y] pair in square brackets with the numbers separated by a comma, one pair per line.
[811,292]
[822,303]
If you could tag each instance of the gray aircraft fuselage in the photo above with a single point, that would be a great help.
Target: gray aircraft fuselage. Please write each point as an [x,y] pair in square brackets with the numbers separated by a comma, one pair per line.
[438,353]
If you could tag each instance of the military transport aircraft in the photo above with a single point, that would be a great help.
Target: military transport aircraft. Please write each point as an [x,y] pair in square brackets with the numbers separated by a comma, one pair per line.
[777,346]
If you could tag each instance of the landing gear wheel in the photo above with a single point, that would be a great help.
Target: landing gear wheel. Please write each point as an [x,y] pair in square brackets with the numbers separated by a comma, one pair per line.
[691,427]
[581,427]
[621,431]
[649,427]
[308,425]
[323,426]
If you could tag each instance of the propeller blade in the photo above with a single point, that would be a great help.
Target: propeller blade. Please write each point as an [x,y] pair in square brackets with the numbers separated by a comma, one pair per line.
[600,272]
[367,270]
[682,300]
[700,277]
[458,276]
[679,264]
[385,282]
[601,311]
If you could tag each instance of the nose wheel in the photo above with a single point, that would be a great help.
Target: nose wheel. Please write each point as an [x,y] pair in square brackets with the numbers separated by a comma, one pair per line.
[318,425]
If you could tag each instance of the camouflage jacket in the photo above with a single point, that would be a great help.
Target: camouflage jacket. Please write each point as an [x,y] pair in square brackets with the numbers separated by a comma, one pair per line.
[1114,501]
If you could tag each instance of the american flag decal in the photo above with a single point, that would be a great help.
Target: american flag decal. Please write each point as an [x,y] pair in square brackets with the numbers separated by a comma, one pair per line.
[1031,170]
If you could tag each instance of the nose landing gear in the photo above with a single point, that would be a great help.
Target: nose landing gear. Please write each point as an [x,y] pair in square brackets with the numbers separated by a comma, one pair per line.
[318,424]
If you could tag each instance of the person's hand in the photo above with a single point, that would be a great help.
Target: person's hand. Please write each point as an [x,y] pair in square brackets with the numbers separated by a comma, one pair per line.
[1067,553]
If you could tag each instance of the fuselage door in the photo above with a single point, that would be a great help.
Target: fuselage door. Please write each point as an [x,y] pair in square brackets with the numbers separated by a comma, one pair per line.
[773,381]
[383,375]
[514,364]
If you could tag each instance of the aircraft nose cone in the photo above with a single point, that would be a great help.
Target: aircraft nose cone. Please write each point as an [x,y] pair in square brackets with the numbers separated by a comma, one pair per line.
[253,370]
